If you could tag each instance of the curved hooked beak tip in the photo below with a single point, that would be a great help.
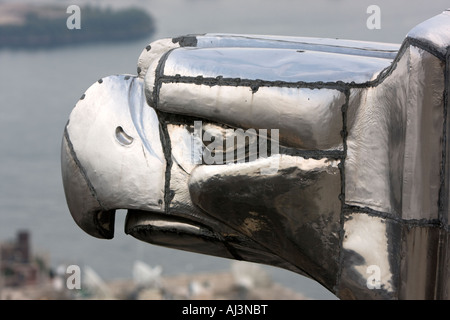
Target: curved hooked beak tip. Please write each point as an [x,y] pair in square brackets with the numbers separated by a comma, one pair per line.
[81,198]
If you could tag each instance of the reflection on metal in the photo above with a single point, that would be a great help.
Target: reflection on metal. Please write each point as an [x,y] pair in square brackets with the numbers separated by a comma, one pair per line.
[359,197]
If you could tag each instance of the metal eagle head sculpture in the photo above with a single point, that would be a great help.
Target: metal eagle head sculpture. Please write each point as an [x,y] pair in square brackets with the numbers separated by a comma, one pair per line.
[325,157]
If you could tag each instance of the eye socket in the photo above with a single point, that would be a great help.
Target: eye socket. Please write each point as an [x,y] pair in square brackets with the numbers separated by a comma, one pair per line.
[122,137]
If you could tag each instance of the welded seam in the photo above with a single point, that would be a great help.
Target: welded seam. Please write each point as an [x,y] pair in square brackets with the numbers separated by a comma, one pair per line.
[344,134]
[443,189]
[434,223]
[158,75]
[426,46]
[442,272]
[255,84]
[314,154]
[163,132]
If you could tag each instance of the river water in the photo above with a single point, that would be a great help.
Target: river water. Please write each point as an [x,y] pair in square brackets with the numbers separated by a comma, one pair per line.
[38,89]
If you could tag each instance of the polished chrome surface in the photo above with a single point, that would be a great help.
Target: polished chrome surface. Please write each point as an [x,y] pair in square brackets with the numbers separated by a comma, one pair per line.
[361,48]
[112,154]
[270,64]
[301,107]
[394,130]
[345,172]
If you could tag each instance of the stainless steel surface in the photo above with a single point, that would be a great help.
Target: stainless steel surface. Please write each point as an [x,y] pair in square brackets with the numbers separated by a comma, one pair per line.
[360,48]
[112,153]
[394,130]
[357,193]
[271,64]
[302,107]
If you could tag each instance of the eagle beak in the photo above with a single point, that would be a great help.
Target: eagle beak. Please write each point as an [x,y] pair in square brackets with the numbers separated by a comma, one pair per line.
[84,206]
[111,155]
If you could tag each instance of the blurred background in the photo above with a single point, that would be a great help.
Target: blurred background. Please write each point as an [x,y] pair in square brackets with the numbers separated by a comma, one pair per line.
[45,68]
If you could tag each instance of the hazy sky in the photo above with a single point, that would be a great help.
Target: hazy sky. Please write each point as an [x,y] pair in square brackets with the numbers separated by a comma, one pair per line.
[318,18]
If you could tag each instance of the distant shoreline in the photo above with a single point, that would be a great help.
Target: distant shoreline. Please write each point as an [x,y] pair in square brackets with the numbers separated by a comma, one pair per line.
[32,27]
